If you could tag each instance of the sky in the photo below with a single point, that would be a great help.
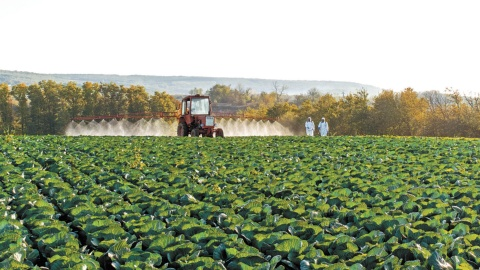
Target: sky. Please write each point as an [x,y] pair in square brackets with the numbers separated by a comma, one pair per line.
[425,45]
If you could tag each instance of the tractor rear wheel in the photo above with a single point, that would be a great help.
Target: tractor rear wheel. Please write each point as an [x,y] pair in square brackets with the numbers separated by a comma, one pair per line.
[219,133]
[182,130]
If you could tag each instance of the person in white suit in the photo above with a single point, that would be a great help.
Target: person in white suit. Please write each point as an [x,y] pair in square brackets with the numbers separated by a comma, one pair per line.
[323,127]
[309,126]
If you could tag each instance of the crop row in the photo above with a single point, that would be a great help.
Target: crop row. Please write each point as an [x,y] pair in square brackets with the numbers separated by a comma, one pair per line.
[239,203]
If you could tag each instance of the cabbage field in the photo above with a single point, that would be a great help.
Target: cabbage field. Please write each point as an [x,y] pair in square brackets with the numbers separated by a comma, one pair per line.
[239,203]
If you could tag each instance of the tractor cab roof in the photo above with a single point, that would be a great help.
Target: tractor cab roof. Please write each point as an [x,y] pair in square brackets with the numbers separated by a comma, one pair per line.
[195,96]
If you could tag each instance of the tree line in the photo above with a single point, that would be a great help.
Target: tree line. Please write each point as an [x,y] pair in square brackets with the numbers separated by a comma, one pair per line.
[407,113]
[47,107]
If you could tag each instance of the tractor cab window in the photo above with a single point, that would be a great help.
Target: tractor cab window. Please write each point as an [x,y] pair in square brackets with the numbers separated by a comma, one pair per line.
[186,107]
[200,106]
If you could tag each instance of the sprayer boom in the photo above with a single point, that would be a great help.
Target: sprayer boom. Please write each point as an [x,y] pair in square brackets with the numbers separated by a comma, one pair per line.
[161,115]
[154,115]
[195,117]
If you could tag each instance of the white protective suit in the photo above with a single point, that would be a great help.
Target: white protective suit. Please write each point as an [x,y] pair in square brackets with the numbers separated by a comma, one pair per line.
[310,127]
[323,127]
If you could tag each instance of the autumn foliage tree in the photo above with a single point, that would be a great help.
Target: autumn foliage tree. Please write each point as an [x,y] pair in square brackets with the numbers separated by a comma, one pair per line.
[451,114]
[412,113]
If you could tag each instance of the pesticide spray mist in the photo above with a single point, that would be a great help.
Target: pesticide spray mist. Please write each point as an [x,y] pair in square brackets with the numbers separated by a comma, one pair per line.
[160,127]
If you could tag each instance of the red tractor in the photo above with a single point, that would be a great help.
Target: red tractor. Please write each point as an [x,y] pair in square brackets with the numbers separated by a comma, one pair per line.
[196,118]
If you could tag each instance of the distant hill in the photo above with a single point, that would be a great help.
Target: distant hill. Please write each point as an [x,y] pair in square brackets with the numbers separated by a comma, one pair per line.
[180,85]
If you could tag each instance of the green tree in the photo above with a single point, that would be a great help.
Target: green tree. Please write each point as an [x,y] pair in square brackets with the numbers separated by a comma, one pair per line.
[220,93]
[326,106]
[72,103]
[72,99]
[91,97]
[353,114]
[386,113]
[113,99]
[52,107]
[6,111]
[37,110]
[281,109]
[241,96]
[300,99]
[196,91]
[137,99]
[163,102]
[19,92]
[313,94]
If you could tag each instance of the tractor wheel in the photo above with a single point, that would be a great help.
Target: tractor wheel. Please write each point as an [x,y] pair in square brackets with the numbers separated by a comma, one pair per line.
[219,133]
[182,130]
[195,133]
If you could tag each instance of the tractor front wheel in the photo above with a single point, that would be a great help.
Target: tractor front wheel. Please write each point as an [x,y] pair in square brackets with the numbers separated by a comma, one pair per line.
[195,133]
[182,130]
[219,133]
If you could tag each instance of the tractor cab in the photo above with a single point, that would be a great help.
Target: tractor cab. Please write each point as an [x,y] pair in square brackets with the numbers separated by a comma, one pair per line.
[196,118]
[196,105]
